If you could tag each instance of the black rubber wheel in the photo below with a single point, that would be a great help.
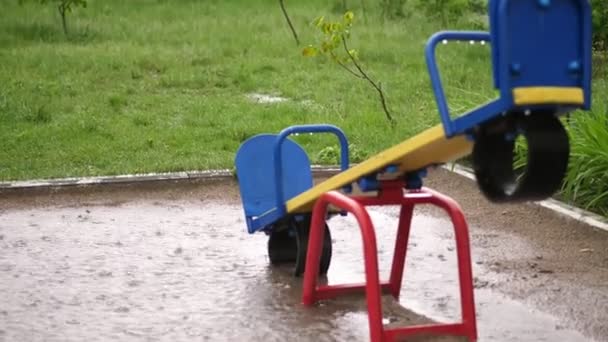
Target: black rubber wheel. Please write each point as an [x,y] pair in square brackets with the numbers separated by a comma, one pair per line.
[302,235]
[282,245]
[547,163]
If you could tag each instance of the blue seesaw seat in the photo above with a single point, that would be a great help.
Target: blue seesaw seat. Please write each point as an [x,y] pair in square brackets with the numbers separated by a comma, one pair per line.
[272,169]
[256,173]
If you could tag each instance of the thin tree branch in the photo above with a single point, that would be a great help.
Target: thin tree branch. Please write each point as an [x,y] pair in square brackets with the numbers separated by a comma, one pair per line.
[293,30]
[377,86]
[344,66]
[62,9]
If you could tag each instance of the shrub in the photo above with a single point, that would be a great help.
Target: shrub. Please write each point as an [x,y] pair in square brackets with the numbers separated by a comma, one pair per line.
[445,10]
[63,6]
[479,6]
[330,155]
[587,180]
[600,24]
[393,8]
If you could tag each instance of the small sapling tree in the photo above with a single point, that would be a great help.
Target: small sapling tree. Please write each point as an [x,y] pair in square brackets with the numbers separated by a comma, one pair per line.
[334,45]
[63,6]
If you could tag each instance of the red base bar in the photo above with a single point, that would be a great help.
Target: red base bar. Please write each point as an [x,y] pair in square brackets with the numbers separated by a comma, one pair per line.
[333,291]
[390,194]
[456,329]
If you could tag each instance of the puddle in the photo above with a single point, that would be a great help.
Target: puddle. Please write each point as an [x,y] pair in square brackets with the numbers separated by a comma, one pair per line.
[430,285]
[187,270]
[265,98]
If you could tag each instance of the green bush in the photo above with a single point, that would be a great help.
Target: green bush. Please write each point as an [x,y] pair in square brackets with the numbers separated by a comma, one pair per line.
[63,6]
[587,181]
[330,155]
[393,9]
[600,24]
[445,10]
[450,10]
[479,6]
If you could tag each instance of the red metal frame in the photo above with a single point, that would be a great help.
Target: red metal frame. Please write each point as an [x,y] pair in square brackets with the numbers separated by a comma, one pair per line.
[391,194]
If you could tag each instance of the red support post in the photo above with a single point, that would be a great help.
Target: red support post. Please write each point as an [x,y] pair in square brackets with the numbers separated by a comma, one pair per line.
[463,251]
[370,254]
[390,194]
[403,236]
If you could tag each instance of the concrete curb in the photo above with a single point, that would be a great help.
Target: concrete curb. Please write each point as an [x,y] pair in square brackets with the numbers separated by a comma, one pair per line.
[560,208]
[138,178]
[120,179]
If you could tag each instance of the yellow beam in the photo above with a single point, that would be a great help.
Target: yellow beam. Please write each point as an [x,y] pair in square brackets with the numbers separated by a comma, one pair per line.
[548,95]
[425,149]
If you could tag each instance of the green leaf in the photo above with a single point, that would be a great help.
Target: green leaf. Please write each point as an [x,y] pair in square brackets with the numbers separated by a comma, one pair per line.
[326,28]
[326,46]
[349,17]
[335,39]
[310,51]
[319,21]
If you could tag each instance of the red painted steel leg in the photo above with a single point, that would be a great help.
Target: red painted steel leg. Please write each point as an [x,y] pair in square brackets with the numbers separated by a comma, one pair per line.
[313,254]
[403,235]
[463,250]
[370,254]
[355,205]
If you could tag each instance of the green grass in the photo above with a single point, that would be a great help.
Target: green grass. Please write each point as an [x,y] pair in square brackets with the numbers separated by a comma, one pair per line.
[153,86]
[146,86]
[587,181]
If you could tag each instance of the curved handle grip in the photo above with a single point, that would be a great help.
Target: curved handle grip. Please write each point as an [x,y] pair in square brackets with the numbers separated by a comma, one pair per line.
[431,63]
[278,172]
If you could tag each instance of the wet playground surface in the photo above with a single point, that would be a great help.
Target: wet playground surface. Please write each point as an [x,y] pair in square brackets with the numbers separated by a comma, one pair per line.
[175,263]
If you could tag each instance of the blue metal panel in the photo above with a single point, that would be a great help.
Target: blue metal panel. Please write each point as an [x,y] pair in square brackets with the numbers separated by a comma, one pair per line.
[493,13]
[478,115]
[255,166]
[587,54]
[543,43]
[264,221]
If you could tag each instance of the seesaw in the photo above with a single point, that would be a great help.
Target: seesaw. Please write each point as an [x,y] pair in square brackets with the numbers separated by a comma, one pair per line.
[541,62]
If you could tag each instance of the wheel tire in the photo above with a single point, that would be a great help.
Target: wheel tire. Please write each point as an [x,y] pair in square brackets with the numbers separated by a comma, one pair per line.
[302,237]
[282,246]
[548,154]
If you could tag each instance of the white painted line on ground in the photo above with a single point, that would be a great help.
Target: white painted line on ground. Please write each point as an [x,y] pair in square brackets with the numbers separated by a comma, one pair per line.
[589,218]
[460,170]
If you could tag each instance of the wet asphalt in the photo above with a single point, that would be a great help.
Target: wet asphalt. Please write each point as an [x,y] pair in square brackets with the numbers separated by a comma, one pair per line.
[173,262]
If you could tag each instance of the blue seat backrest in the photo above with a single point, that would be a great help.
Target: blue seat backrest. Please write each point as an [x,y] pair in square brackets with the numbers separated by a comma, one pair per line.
[256,175]
[540,43]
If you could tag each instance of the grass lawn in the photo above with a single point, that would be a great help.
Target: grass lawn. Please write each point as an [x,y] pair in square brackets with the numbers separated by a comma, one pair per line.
[147,86]
[154,86]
